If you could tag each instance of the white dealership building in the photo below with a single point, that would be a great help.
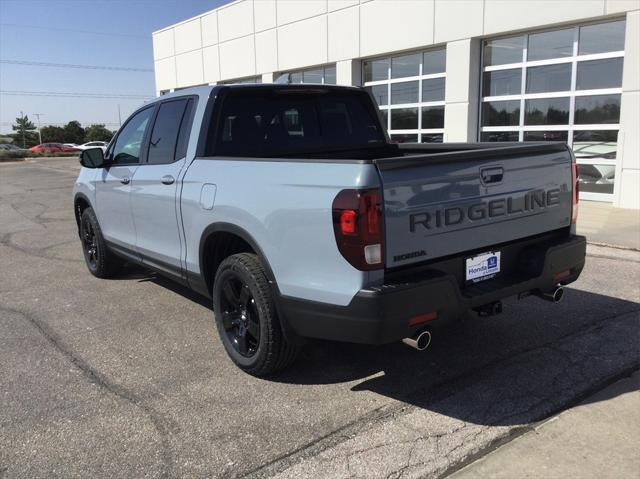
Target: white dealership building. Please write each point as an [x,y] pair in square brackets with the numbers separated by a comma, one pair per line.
[444,70]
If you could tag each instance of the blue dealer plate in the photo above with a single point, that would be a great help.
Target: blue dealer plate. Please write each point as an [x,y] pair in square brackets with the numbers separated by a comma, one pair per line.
[482,266]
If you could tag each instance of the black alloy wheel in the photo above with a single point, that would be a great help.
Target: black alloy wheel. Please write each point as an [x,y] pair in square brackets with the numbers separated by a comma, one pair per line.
[246,317]
[100,260]
[89,243]
[240,317]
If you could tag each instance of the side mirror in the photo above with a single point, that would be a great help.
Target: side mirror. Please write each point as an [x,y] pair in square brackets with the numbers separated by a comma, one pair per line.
[92,158]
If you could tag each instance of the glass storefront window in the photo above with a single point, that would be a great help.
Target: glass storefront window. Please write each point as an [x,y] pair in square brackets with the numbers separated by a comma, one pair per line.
[433,90]
[569,95]
[404,119]
[501,113]
[545,136]
[321,75]
[434,61]
[404,138]
[410,91]
[502,82]
[431,138]
[406,92]
[380,94]
[375,70]
[330,75]
[601,38]
[503,50]
[596,74]
[405,66]
[554,44]
[591,110]
[549,78]
[596,178]
[546,111]
[595,144]
[499,136]
[433,117]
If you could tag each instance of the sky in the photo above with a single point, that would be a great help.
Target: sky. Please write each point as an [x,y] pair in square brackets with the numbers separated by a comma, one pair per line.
[103,33]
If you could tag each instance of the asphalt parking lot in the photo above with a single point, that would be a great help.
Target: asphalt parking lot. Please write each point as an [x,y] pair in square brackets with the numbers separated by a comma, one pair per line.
[127,378]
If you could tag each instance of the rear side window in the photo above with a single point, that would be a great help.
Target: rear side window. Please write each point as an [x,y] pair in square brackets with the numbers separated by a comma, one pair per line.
[282,123]
[164,136]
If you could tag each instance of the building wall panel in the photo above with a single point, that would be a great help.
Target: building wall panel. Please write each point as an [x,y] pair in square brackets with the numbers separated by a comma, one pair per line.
[266,52]
[302,43]
[211,64]
[188,36]
[294,10]
[392,25]
[209,26]
[165,72]
[237,58]
[264,12]
[344,34]
[505,15]
[189,69]
[457,19]
[235,21]
[163,44]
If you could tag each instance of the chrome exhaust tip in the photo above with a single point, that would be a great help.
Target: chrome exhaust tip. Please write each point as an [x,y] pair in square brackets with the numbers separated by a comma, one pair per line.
[420,342]
[554,296]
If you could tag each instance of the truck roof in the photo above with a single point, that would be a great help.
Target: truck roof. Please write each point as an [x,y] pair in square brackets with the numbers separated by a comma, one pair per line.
[205,91]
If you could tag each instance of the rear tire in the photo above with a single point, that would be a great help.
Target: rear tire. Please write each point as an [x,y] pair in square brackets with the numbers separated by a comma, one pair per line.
[246,317]
[101,262]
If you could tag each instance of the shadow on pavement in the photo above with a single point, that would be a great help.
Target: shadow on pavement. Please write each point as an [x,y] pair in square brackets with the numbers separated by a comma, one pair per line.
[491,371]
[511,369]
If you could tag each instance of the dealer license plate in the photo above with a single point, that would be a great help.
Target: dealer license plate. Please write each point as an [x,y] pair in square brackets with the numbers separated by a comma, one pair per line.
[483,266]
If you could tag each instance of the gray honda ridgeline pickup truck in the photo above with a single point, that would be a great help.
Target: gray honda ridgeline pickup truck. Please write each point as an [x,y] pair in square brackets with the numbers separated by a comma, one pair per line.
[288,206]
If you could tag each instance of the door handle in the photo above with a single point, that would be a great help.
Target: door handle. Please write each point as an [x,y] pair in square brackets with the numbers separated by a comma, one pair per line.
[125,181]
[168,180]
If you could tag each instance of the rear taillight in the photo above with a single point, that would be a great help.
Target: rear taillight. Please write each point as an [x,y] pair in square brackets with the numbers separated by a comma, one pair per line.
[576,192]
[357,225]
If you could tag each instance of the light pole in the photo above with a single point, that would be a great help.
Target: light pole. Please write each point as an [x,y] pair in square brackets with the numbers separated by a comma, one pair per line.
[39,133]
[24,143]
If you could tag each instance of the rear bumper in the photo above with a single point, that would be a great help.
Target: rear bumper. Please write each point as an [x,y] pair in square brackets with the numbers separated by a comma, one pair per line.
[381,315]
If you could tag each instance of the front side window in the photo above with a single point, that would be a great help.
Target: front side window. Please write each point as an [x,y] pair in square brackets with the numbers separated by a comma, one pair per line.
[128,145]
[164,136]
[559,85]
[410,91]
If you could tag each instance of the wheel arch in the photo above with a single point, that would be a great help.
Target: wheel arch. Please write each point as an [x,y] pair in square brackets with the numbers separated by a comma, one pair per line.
[221,231]
[80,203]
[205,279]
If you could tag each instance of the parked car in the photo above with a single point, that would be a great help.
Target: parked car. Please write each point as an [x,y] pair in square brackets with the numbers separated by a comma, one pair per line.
[93,144]
[52,148]
[9,147]
[288,206]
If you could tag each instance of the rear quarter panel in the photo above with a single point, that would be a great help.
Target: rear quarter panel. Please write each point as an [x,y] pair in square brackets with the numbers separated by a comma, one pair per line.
[285,206]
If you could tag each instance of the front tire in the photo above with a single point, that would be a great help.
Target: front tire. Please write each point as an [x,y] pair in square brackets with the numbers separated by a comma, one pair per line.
[246,317]
[101,262]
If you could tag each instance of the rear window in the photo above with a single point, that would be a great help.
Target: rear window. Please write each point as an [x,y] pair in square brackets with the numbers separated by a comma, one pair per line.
[283,123]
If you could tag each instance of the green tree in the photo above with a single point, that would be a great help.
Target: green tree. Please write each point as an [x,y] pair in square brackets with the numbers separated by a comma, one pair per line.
[97,133]
[25,132]
[73,132]
[53,134]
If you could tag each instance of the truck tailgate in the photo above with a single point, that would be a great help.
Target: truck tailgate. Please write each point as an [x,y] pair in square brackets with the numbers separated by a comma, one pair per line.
[441,204]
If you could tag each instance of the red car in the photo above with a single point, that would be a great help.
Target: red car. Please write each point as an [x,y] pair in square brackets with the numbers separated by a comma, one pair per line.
[52,148]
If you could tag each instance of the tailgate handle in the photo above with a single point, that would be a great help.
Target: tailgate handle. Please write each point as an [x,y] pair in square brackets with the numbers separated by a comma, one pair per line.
[491,175]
